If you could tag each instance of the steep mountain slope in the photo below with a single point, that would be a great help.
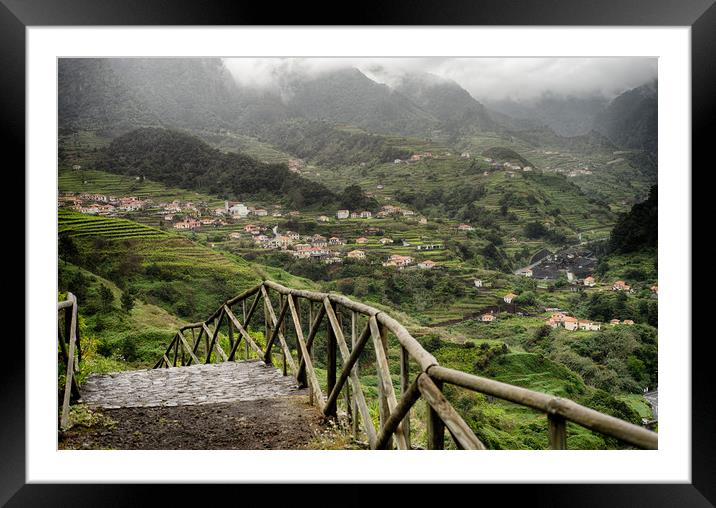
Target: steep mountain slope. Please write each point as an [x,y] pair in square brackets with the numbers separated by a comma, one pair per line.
[631,119]
[92,96]
[182,92]
[347,96]
[447,101]
[565,115]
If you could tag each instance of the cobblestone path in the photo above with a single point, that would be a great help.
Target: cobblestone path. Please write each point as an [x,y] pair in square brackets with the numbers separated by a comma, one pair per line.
[188,386]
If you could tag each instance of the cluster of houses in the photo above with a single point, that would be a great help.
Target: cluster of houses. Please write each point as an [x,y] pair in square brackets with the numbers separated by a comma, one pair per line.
[240,210]
[295,165]
[416,157]
[385,211]
[560,319]
[400,262]
[101,204]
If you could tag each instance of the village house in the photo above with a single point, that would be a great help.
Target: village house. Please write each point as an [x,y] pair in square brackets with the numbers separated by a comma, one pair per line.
[235,235]
[294,213]
[295,165]
[620,285]
[429,246]
[527,272]
[487,318]
[385,240]
[570,323]
[169,217]
[323,218]
[614,322]
[300,247]
[332,260]
[355,215]
[589,325]
[398,260]
[362,240]
[319,240]
[509,297]
[343,214]
[588,281]
[427,264]
[465,155]
[237,210]
[366,214]
[318,252]
[420,155]
[356,254]
[423,220]
[260,212]
[627,322]
[334,240]
[292,235]
[187,224]
[478,283]
[407,213]
[465,227]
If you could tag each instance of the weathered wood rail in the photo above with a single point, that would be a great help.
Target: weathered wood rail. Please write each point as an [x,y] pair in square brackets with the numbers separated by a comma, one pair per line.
[394,412]
[70,352]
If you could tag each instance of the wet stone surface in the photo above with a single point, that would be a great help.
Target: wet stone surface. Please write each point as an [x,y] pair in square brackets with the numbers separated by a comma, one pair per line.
[188,386]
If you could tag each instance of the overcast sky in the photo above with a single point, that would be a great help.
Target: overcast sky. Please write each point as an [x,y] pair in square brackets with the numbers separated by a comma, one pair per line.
[487,79]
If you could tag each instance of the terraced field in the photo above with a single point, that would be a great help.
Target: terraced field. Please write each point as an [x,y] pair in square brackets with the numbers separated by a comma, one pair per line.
[102,182]
[78,225]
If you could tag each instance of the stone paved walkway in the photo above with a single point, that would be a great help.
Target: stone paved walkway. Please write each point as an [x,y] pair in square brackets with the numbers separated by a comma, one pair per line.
[188,386]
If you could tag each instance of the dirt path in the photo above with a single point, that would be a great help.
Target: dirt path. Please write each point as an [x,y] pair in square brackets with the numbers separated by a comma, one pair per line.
[278,423]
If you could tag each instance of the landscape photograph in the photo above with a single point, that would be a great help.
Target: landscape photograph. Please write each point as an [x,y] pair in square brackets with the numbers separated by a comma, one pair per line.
[357,253]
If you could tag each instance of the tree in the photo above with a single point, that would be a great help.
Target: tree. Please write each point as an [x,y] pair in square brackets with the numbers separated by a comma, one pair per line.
[66,247]
[106,297]
[127,300]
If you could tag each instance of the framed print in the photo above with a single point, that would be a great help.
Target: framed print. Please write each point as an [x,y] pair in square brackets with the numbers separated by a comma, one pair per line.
[425,249]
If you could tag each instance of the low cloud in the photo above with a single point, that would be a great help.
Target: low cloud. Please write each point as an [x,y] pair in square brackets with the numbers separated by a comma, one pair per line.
[487,79]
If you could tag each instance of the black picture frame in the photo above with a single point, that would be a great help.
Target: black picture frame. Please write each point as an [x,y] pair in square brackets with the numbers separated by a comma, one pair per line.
[700,15]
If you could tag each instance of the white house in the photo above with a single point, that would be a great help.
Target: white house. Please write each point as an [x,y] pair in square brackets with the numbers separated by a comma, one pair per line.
[239,210]
[356,254]
[343,214]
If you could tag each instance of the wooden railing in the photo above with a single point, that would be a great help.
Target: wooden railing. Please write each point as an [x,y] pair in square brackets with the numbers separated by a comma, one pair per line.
[394,412]
[70,352]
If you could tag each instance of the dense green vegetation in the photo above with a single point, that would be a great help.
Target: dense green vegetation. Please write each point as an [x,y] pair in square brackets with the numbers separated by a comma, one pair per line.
[181,160]
[637,230]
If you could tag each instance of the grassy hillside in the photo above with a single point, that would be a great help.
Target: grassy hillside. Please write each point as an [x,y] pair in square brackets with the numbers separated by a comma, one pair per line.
[165,269]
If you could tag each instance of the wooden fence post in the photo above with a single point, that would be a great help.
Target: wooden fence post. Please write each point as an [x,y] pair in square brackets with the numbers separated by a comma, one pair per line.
[436,427]
[404,385]
[332,350]
[384,409]
[557,432]
[231,333]
[354,402]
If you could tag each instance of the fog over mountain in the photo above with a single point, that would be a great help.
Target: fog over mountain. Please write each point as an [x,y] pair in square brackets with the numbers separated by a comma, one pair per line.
[486,79]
